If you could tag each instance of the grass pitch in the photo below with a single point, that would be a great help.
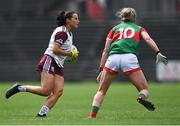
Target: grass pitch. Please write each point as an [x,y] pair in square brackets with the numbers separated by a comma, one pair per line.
[119,108]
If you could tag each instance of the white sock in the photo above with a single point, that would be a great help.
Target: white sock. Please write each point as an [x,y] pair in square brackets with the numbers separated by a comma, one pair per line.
[44,110]
[22,88]
[144,92]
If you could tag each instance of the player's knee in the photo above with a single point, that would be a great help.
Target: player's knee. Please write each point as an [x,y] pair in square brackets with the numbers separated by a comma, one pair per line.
[59,93]
[46,92]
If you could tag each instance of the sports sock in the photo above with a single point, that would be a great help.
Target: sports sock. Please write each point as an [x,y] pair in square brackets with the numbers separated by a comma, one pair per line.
[44,110]
[22,88]
[93,112]
[95,109]
[143,93]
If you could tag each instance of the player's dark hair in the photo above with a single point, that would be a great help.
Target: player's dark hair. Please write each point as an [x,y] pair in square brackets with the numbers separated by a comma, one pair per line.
[62,16]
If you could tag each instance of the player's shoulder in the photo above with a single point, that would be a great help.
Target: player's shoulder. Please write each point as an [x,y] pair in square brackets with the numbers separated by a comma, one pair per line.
[61,29]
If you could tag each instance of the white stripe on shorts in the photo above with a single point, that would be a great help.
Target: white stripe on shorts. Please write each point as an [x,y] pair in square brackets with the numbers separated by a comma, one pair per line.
[47,64]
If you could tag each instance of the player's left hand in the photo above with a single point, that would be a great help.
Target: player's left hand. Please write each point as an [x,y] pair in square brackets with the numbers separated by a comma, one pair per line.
[99,75]
[161,58]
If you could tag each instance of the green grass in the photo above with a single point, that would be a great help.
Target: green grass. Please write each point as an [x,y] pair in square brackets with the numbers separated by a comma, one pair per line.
[119,107]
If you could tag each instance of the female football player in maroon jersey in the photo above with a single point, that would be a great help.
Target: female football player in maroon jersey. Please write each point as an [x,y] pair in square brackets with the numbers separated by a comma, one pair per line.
[119,55]
[51,64]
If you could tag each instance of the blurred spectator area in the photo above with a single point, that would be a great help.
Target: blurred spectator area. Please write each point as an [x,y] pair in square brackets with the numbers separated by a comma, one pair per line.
[26,26]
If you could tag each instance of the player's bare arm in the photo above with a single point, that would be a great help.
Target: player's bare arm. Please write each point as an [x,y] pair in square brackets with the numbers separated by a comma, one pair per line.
[58,51]
[105,52]
[104,58]
[159,57]
[149,41]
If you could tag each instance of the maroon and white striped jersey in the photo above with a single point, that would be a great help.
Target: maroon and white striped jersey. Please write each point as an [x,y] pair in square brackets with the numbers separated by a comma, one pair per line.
[63,38]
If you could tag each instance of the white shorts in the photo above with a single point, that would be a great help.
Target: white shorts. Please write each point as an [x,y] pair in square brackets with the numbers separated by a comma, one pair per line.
[126,63]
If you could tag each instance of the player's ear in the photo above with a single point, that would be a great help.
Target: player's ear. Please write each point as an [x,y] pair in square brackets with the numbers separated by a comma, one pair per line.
[67,20]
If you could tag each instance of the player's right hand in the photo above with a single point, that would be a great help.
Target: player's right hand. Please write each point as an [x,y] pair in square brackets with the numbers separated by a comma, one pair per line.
[161,58]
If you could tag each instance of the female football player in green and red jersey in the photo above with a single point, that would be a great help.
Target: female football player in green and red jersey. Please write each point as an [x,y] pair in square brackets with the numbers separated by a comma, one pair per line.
[119,54]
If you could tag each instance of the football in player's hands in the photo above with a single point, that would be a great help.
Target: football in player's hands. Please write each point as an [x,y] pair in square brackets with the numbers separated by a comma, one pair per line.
[74,54]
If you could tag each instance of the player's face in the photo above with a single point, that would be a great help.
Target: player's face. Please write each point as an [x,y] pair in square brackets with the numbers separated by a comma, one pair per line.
[74,21]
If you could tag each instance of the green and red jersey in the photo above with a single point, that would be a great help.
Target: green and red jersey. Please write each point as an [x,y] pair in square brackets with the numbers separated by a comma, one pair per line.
[125,38]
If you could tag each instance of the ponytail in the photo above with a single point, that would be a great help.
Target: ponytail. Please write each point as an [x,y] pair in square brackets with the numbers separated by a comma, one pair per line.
[61,20]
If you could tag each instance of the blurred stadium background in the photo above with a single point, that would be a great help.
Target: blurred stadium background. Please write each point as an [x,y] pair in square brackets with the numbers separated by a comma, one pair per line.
[26,26]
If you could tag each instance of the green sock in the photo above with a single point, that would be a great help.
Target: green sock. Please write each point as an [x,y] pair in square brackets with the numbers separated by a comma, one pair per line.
[142,95]
[95,109]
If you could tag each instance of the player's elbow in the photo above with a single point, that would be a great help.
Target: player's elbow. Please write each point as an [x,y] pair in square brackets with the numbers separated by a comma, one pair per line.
[55,50]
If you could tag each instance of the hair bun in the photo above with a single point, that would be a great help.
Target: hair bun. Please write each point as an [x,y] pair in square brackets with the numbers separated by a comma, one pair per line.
[61,20]
[60,15]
